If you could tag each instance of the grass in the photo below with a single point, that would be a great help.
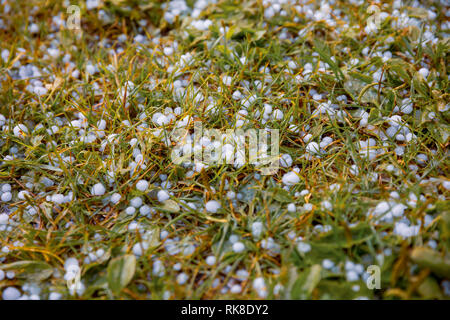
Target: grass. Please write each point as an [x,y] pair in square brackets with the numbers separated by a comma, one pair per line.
[35,246]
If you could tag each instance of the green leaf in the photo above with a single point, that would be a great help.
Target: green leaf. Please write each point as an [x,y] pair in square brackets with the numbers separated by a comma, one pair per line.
[358,89]
[439,132]
[346,238]
[362,77]
[280,195]
[420,13]
[368,94]
[324,52]
[120,272]
[153,239]
[30,270]
[258,35]
[428,258]
[421,86]
[171,206]
[445,226]
[330,289]
[401,68]
[429,289]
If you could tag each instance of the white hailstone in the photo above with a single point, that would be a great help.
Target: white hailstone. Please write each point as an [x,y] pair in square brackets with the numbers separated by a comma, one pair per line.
[2,274]
[70,262]
[237,95]
[406,107]
[178,112]
[235,289]
[142,185]
[6,197]
[260,287]
[394,195]
[267,109]
[313,148]
[98,189]
[54,53]
[291,178]
[231,195]
[20,130]
[177,267]
[55,296]
[226,80]
[189,250]
[133,142]
[352,275]
[257,229]
[424,72]
[307,207]
[307,138]
[212,206]
[326,205]
[101,124]
[136,202]
[356,288]
[349,265]
[292,65]
[115,198]
[422,158]
[90,69]
[6,187]
[325,141]
[100,252]
[168,51]
[75,74]
[359,268]
[164,234]
[72,270]
[22,194]
[432,115]
[130,210]
[446,184]
[139,247]
[277,114]
[11,293]
[145,210]
[34,28]
[286,160]
[182,278]
[327,264]
[4,219]
[163,195]
[291,207]
[238,247]
[303,247]
[354,170]
[382,207]
[138,158]
[162,120]
[405,231]
[211,260]
[92,4]
[133,226]
[239,123]
[304,192]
